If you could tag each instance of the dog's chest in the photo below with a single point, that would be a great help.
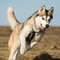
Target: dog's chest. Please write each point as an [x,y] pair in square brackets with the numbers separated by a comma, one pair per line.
[38,36]
[33,36]
[30,36]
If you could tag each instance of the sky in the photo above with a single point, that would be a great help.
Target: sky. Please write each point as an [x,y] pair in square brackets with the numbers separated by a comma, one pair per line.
[23,9]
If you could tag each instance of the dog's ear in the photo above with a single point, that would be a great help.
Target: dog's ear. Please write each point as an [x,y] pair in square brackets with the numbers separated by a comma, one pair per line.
[42,9]
[50,12]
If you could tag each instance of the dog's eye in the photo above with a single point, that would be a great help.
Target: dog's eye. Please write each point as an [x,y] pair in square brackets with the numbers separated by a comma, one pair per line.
[37,15]
[43,18]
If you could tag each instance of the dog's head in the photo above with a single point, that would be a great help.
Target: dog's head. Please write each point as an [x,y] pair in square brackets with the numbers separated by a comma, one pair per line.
[43,18]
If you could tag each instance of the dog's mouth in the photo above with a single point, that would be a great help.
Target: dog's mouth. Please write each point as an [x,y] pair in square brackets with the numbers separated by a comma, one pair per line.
[42,28]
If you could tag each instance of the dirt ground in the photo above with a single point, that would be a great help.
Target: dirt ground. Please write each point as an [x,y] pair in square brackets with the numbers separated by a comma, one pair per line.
[47,49]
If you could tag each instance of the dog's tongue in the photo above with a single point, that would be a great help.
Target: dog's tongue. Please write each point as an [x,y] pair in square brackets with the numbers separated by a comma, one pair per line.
[42,27]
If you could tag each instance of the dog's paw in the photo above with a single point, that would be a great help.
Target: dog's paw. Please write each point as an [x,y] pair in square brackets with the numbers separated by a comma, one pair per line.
[22,52]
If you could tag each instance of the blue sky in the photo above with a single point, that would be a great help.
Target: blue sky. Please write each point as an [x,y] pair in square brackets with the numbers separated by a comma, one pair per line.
[25,8]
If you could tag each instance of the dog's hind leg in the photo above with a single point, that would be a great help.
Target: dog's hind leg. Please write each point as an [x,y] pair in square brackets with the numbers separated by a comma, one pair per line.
[11,55]
[13,51]
[15,55]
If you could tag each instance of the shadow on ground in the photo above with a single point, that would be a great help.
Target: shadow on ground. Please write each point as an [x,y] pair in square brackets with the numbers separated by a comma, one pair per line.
[45,56]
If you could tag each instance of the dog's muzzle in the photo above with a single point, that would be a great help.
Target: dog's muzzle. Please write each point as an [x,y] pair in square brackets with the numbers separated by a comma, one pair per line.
[47,25]
[44,29]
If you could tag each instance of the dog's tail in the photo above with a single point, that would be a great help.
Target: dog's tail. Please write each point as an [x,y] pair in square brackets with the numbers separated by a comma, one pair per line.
[11,18]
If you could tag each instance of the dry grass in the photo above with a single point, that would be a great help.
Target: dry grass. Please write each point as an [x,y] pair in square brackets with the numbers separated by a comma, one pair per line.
[47,49]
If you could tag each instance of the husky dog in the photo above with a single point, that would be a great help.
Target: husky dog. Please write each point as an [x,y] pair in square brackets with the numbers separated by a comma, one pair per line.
[26,35]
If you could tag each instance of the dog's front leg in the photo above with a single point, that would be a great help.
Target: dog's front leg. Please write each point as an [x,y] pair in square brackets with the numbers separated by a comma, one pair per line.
[23,44]
[31,46]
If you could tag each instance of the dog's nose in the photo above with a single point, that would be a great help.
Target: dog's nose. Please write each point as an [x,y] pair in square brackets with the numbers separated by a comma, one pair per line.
[47,25]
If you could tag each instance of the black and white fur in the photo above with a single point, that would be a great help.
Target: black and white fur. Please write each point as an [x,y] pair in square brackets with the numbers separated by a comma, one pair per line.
[30,32]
